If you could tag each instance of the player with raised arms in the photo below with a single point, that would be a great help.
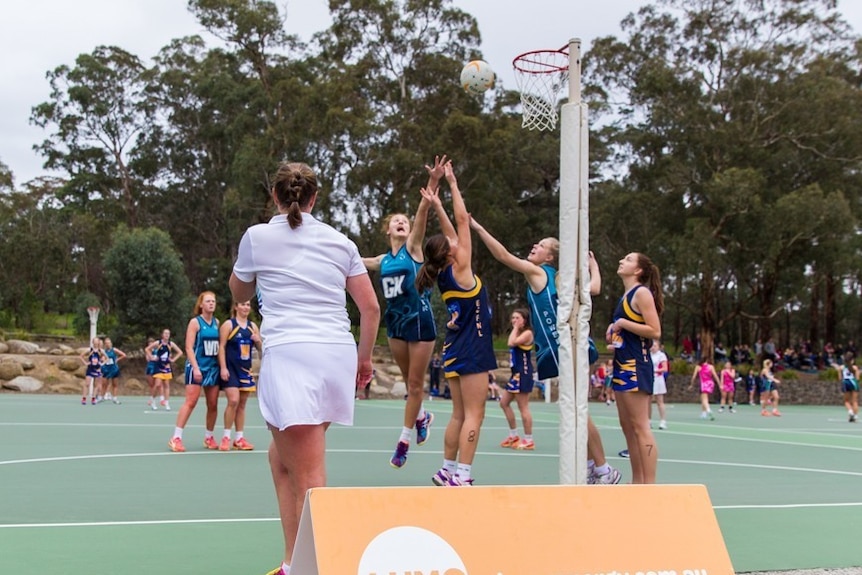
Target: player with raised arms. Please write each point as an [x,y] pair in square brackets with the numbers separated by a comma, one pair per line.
[410,326]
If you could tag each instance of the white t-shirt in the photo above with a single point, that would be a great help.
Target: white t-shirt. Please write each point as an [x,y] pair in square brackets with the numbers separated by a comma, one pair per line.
[301,277]
[657,358]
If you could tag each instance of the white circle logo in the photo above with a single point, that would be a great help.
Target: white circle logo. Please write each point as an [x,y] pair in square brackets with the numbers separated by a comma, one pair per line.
[410,550]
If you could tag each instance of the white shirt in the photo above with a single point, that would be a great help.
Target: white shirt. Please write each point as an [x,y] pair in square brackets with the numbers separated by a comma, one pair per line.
[301,275]
[657,358]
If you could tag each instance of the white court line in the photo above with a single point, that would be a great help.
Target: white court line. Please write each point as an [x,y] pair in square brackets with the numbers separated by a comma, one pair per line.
[133,523]
[274,519]
[789,506]
[426,453]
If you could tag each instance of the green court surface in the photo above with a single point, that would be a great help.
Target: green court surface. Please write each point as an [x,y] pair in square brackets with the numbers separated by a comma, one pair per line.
[94,489]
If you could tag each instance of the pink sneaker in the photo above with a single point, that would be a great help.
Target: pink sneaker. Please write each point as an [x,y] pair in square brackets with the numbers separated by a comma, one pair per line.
[210,443]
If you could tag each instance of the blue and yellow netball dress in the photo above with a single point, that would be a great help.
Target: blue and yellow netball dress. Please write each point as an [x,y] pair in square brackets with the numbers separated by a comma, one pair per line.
[632,362]
[206,353]
[94,363]
[468,347]
[520,358]
[237,355]
[543,314]
[408,313]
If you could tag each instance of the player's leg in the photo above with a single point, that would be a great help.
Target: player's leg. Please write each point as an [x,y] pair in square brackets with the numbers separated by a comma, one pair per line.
[240,442]
[419,354]
[296,458]
[643,451]
[451,434]
[232,395]
[506,405]
[211,393]
[474,398]
[523,400]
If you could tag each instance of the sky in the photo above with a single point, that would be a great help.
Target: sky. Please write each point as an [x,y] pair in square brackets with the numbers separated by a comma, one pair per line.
[38,35]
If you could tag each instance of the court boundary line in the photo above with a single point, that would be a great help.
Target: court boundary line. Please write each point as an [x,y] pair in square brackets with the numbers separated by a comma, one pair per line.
[275,519]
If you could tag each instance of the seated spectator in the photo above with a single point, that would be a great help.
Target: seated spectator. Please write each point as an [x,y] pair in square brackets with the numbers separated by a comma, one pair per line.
[719,352]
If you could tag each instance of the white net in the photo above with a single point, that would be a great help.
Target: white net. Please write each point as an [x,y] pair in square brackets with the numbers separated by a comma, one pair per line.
[540,76]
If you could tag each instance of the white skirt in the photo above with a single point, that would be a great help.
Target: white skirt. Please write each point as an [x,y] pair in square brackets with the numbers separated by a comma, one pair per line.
[307,384]
[659,386]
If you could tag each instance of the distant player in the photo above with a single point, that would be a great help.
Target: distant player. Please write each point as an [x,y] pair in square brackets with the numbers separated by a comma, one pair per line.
[111,371]
[850,386]
[237,337]
[93,358]
[165,352]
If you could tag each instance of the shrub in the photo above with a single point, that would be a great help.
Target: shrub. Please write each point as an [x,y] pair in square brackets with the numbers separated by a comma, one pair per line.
[681,367]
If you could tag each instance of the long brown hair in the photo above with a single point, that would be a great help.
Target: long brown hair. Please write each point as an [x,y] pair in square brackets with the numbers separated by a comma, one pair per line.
[651,278]
[436,252]
[295,185]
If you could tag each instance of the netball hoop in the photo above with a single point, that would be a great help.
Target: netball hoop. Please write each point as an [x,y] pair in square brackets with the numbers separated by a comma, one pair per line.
[93,312]
[540,76]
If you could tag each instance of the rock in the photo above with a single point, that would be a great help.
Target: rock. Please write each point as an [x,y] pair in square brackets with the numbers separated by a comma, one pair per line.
[399,390]
[9,370]
[56,351]
[133,384]
[24,383]
[70,364]
[65,388]
[392,370]
[65,349]
[3,347]
[19,346]
[25,362]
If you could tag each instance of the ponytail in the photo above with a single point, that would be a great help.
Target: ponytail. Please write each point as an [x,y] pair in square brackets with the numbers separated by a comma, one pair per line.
[436,251]
[295,187]
[651,278]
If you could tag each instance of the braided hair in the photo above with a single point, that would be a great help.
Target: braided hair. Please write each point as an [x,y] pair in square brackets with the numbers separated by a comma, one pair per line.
[295,186]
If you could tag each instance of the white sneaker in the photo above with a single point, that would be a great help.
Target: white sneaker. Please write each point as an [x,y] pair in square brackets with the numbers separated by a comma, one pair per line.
[154,405]
[662,424]
[610,478]
[116,401]
[166,405]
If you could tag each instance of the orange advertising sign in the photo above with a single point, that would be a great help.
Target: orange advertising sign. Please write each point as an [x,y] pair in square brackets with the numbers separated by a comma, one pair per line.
[528,530]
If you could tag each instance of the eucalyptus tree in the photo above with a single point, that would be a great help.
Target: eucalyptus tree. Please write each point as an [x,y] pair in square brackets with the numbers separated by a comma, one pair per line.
[717,113]
[39,269]
[96,113]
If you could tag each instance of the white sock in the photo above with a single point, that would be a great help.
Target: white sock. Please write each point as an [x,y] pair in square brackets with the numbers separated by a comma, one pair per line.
[178,432]
[207,434]
[513,432]
[463,471]
[591,466]
[226,433]
[528,438]
[285,568]
[161,398]
[450,465]
[421,415]
[238,436]
[603,469]
[405,434]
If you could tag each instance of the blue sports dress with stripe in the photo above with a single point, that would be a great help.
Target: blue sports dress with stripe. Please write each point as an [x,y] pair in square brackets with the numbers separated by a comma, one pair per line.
[206,353]
[543,315]
[237,356]
[633,370]
[408,313]
[521,380]
[468,347]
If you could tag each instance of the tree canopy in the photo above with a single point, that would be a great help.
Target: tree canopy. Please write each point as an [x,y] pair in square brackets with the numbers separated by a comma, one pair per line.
[726,143]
